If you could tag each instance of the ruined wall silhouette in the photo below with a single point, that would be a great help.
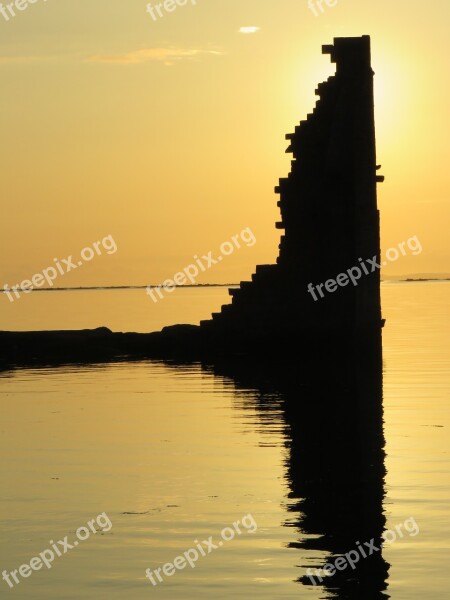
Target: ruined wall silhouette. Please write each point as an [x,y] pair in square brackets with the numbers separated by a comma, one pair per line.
[329,216]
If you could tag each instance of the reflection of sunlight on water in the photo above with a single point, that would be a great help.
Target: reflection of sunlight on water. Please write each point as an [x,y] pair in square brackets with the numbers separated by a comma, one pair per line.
[168,455]
[176,454]
[416,385]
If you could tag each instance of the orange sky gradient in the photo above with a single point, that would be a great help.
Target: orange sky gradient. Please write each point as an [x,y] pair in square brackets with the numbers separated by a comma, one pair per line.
[169,134]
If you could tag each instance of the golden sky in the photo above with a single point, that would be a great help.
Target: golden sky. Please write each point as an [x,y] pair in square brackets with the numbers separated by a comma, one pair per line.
[168,134]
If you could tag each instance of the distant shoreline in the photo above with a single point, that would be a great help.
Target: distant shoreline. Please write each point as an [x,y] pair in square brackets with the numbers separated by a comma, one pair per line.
[194,285]
[124,287]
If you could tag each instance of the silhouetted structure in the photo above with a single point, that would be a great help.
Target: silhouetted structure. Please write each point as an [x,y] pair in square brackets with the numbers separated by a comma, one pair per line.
[329,214]
[331,224]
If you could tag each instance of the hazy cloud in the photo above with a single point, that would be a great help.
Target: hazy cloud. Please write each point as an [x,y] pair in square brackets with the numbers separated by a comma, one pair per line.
[165,55]
[251,29]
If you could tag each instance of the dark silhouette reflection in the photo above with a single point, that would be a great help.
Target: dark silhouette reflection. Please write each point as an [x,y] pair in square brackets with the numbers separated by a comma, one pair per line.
[335,469]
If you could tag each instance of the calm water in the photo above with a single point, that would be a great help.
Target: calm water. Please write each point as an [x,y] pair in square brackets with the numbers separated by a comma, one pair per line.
[120,310]
[175,454]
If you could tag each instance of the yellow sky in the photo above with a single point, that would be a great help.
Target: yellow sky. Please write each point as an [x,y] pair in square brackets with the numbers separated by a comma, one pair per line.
[168,134]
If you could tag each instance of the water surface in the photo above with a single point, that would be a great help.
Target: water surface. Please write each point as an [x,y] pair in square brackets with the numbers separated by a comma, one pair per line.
[174,454]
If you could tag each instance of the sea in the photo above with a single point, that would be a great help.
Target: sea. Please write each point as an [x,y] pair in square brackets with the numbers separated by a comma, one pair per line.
[175,481]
